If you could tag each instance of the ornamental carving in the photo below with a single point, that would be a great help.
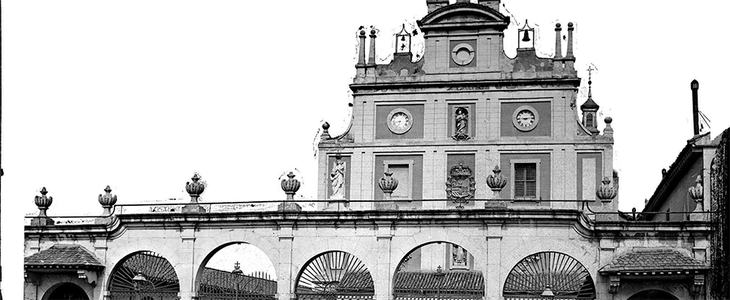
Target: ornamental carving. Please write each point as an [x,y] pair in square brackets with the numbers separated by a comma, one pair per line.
[290,185]
[696,191]
[606,191]
[461,124]
[388,184]
[337,179]
[107,200]
[460,186]
[496,181]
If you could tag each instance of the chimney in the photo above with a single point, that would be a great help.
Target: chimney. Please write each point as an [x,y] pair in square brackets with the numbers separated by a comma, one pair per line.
[493,4]
[436,4]
[695,110]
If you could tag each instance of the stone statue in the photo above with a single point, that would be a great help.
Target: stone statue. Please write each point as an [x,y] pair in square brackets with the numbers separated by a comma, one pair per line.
[461,127]
[459,256]
[337,178]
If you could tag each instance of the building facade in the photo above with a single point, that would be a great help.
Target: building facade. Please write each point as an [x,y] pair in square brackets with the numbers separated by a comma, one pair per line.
[464,174]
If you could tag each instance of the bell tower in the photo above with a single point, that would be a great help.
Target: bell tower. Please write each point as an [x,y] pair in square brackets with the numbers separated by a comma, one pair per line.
[436,130]
[590,107]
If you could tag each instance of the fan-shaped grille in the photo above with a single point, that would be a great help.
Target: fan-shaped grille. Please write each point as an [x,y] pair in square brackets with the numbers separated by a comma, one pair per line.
[335,275]
[563,275]
[155,278]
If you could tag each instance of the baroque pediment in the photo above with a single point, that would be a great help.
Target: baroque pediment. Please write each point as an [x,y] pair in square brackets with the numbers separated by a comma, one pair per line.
[464,13]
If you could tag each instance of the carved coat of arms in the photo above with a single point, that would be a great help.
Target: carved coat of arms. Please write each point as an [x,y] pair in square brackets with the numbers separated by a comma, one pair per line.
[460,185]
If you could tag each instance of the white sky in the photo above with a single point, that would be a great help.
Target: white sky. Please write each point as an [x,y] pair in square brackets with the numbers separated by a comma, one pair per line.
[141,94]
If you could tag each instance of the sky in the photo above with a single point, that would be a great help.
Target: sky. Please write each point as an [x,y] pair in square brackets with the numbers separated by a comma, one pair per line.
[139,95]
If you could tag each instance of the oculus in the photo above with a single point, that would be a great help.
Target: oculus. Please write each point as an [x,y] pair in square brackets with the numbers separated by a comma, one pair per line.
[525,118]
[462,54]
[400,120]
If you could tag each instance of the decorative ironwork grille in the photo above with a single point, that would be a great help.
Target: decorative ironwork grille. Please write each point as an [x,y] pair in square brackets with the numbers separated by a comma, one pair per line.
[335,275]
[223,285]
[144,275]
[563,275]
[720,239]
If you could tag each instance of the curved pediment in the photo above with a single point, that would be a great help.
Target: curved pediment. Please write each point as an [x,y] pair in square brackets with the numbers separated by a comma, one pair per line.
[464,15]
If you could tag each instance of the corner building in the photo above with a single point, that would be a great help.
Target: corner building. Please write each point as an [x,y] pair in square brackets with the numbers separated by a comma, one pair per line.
[464,174]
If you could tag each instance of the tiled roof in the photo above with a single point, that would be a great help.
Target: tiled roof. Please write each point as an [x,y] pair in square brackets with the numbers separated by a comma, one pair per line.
[63,256]
[425,282]
[653,260]
[214,278]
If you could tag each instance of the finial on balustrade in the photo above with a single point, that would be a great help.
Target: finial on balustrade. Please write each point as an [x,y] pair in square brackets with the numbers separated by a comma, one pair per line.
[194,189]
[608,131]
[290,186]
[43,202]
[107,201]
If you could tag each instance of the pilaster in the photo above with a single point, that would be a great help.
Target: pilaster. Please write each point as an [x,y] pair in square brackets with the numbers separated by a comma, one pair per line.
[368,177]
[285,282]
[494,260]
[480,176]
[185,263]
[384,236]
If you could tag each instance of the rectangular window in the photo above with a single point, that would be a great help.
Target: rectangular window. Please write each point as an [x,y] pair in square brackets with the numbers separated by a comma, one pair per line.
[526,179]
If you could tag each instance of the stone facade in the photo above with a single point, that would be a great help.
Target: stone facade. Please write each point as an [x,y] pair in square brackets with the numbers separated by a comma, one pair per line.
[457,115]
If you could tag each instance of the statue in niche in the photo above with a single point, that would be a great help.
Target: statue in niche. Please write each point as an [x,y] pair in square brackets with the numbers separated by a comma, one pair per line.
[337,178]
[459,257]
[461,126]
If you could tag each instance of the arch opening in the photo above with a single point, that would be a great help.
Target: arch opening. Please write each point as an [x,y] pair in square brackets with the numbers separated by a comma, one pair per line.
[237,271]
[438,270]
[549,273]
[653,295]
[335,275]
[66,291]
[144,275]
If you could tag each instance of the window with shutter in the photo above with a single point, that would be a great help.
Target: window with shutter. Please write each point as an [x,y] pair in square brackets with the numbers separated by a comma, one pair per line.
[525,179]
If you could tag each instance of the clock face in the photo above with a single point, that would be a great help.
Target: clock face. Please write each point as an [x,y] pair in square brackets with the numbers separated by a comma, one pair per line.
[400,121]
[525,118]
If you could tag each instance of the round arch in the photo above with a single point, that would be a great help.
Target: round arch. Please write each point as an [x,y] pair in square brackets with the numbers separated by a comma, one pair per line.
[653,295]
[549,273]
[144,274]
[454,273]
[65,291]
[212,283]
[334,275]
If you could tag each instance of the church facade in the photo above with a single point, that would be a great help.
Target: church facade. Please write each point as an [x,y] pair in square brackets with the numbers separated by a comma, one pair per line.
[464,174]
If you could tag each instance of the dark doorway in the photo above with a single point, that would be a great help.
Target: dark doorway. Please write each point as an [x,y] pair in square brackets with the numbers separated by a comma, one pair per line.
[68,291]
[653,295]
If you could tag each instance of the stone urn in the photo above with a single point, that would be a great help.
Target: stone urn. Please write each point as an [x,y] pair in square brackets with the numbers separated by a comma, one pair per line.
[388,184]
[607,191]
[107,201]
